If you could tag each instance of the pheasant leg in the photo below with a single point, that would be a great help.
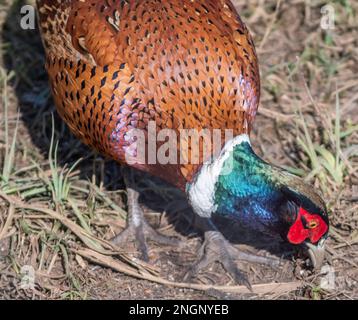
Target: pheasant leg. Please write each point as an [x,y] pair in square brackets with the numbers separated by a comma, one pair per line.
[137,227]
[217,249]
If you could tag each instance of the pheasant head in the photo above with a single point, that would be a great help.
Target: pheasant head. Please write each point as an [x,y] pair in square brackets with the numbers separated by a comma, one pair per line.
[240,185]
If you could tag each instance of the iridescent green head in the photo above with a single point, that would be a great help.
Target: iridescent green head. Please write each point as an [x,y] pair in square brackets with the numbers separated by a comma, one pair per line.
[262,197]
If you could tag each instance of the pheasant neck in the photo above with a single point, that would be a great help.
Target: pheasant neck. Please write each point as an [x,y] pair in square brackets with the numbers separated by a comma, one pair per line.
[238,184]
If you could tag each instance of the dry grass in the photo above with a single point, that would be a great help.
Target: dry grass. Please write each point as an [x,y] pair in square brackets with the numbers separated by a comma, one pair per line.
[56,212]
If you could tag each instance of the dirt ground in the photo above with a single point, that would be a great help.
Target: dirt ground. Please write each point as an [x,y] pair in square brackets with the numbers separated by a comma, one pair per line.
[54,219]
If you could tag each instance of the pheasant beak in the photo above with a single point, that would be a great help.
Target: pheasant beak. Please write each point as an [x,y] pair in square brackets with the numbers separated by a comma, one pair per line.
[316,253]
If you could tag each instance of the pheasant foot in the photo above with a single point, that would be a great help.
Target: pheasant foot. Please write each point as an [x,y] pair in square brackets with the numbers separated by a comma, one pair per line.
[141,234]
[138,228]
[217,249]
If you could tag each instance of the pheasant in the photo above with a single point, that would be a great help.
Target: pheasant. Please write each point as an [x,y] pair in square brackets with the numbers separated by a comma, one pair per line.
[119,67]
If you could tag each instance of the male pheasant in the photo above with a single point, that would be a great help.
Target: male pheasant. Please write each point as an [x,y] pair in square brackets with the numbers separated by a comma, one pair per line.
[120,66]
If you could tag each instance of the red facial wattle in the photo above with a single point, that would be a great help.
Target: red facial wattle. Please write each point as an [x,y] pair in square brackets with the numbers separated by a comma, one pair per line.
[307,226]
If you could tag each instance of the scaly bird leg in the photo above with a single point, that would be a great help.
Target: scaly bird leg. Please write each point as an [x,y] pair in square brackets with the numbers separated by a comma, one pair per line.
[217,249]
[137,226]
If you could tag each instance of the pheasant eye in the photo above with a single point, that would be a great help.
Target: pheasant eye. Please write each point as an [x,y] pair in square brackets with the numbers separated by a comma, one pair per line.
[313,224]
